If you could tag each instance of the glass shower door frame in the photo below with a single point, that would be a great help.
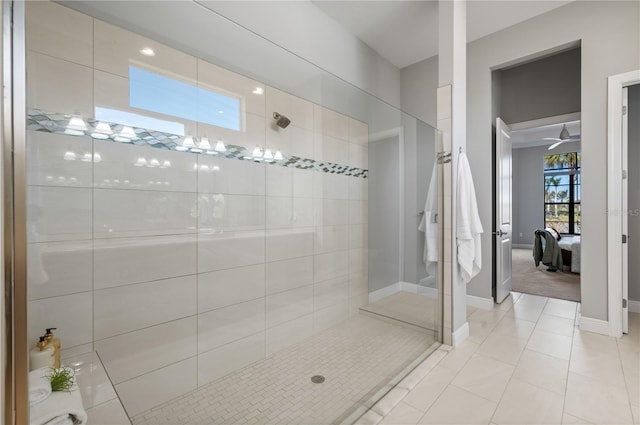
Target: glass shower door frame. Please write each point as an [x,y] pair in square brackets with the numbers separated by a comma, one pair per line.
[14,347]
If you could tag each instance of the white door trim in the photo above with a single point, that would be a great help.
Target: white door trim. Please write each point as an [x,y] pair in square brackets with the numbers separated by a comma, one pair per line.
[615,197]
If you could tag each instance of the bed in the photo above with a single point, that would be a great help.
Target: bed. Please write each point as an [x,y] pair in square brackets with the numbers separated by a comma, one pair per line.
[570,246]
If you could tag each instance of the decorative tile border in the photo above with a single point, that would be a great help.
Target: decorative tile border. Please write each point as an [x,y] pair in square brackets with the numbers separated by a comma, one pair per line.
[38,120]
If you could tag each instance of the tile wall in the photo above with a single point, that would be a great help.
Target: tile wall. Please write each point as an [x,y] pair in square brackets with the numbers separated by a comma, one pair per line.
[177,276]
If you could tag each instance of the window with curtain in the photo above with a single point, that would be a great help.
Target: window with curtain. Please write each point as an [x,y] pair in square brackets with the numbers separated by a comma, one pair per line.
[562,192]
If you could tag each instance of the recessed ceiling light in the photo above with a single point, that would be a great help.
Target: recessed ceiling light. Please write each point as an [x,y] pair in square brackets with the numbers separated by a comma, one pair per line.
[147,51]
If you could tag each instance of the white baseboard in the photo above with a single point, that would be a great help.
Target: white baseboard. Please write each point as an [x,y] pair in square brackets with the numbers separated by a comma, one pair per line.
[427,291]
[384,292]
[409,287]
[460,335]
[594,325]
[634,306]
[521,245]
[480,302]
[413,288]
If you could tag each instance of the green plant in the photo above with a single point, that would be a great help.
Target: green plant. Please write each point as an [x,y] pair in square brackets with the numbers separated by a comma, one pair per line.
[62,379]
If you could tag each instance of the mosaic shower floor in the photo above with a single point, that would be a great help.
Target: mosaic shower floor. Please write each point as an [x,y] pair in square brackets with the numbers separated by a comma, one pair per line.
[357,358]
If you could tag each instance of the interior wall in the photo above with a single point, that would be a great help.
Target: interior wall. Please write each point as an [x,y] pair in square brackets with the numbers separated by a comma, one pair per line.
[528,189]
[384,218]
[318,38]
[214,263]
[385,173]
[417,189]
[418,87]
[598,26]
[633,160]
[543,88]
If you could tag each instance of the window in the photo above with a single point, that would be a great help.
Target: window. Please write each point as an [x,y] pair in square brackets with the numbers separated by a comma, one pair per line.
[562,192]
[158,93]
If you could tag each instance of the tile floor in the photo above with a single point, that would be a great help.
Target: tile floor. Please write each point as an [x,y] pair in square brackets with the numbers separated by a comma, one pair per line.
[525,362]
[357,358]
[414,309]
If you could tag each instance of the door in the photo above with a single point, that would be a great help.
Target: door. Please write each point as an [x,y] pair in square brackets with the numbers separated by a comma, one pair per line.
[503,223]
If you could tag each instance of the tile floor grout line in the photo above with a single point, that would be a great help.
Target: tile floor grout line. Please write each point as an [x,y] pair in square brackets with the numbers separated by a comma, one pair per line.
[463,366]
[519,357]
[566,383]
[626,385]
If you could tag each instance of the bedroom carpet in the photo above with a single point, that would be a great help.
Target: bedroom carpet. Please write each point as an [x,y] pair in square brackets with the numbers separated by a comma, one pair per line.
[538,281]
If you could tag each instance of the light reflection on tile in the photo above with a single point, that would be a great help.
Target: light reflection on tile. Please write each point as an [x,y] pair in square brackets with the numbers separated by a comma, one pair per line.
[57,160]
[59,268]
[122,261]
[126,213]
[58,214]
[126,167]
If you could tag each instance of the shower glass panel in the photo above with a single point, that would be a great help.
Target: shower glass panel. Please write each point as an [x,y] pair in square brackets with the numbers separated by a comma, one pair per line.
[190,249]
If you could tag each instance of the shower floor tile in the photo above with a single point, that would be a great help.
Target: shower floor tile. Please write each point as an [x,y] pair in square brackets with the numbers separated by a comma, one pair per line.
[356,357]
[414,309]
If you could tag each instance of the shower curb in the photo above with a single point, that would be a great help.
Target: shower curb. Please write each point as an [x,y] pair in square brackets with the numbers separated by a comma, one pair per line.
[385,405]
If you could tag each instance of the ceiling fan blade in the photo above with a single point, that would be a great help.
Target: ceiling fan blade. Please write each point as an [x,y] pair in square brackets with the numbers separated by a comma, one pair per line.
[555,145]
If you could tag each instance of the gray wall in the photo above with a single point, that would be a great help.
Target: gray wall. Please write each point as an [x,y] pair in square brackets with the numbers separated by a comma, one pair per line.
[384,201]
[418,87]
[420,153]
[634,192]
[599,25]
[609,37]
[543,88]
[384,215]
[528,189]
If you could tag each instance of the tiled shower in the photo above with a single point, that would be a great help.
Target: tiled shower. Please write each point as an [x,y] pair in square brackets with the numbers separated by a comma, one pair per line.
[171,243]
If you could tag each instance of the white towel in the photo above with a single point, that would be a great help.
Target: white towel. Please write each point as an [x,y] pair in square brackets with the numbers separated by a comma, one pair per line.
[39,385]
[60,408]
[429,225]
[468,223]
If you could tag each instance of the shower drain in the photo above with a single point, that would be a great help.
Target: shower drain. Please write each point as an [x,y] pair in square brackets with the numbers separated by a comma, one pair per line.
[317,379]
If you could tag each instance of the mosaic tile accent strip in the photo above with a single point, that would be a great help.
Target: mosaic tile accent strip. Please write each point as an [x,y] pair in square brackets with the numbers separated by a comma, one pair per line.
[52,122]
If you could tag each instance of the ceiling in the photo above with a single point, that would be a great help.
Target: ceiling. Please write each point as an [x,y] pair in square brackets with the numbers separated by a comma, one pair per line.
[406,31]
[533,136]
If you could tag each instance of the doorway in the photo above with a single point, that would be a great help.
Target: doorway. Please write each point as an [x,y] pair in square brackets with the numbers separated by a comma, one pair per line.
[536,100]
[546,195]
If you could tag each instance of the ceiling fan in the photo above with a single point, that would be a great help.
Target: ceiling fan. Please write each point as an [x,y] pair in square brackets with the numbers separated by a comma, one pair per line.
[564,137]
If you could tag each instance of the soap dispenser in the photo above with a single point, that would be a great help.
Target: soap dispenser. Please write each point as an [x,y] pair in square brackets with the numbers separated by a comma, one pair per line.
[55,343]
[43,355]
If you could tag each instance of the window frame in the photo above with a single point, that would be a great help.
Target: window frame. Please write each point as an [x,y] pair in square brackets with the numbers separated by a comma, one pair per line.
[572,169]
